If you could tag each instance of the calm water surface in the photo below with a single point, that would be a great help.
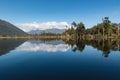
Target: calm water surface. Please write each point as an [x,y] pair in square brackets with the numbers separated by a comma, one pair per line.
[59,60]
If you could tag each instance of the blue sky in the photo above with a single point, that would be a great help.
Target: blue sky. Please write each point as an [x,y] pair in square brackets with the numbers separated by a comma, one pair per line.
[90,12]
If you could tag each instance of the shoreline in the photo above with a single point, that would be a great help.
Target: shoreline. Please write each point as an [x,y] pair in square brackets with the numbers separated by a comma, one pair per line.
[62,37]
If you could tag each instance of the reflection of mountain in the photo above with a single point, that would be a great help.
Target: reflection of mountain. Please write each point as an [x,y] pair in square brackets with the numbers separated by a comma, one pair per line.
[105,46]
[49,46]
[53,42]
[7,45]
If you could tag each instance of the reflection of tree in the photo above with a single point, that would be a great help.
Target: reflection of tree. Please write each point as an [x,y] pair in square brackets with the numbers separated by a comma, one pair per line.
[106,53]
[106,46]
[80,45]
[76,45]
[7,45]
[70,42]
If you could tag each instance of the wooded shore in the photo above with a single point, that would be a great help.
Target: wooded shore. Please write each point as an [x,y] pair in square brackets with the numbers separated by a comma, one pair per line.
[67,37]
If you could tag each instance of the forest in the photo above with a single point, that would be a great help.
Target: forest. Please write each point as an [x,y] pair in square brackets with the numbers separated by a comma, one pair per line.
[105,29]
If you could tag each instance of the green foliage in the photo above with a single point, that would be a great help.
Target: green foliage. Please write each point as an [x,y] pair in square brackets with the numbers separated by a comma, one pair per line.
[76,29]
[105,28]
[70,31]
[80,29]
[74,24]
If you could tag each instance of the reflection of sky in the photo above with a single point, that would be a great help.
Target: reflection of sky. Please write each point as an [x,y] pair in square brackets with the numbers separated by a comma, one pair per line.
[32,46]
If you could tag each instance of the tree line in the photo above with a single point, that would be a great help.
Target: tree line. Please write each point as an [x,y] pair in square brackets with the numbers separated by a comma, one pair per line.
[105,29]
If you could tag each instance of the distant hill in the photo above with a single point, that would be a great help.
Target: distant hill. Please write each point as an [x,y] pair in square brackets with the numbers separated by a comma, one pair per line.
[53,30]
[9,29]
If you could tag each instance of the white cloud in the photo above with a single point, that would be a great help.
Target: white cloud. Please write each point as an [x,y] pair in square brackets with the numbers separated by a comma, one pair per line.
[42,26]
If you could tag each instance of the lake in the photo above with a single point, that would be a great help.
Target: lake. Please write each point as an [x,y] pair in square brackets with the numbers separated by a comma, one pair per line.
[59,59]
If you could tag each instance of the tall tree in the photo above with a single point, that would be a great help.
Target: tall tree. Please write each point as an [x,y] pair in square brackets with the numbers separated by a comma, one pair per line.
[80,29]
[74,24]
[106,25]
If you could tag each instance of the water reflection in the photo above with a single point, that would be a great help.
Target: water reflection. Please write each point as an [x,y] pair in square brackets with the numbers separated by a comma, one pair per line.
[7,45]
[106,46]
[33,60]
[39,45]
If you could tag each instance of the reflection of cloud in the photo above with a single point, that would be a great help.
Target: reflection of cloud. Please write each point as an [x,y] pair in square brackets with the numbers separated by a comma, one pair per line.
[28,46]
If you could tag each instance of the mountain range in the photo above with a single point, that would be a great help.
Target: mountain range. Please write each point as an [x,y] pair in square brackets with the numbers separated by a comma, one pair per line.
[53,30]
[9,29]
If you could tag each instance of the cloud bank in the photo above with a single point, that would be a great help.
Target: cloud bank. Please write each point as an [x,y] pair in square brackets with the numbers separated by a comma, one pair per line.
[41,26]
